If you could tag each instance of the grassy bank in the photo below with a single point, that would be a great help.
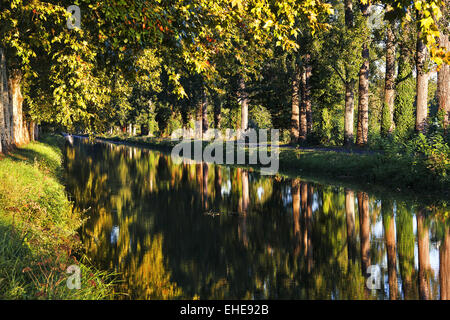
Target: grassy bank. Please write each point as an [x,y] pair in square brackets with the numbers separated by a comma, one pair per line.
[395,171]
[38,238]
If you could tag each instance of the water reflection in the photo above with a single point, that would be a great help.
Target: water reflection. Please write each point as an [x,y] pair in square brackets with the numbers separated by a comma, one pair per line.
[197,230]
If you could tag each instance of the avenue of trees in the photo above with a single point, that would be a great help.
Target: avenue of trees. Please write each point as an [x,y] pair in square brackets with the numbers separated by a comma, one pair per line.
[337,72]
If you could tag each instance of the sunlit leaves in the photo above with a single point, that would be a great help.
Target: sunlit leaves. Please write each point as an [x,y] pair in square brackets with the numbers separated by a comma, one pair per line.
[428,13]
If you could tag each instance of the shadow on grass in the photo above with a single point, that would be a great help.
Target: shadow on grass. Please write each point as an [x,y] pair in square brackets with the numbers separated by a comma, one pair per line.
[42,156]
[14,257]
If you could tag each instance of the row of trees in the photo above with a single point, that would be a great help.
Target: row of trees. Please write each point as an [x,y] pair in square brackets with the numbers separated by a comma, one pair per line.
[152,64]
[364,53]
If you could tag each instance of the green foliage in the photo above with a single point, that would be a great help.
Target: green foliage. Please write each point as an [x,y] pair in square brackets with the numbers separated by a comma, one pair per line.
[404,108]
[431,151]
[259,117]
[163,115]
[426,157]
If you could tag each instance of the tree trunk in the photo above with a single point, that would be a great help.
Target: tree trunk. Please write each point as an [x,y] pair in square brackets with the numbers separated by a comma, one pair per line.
[3,92]
[295,116]
[348,13]
[421,86]
[348,115]
[6,134]
[16,100]
[303,116]
[243,100]
[363,94]
[307,95]
[349,86]
[388,124]
[443,89]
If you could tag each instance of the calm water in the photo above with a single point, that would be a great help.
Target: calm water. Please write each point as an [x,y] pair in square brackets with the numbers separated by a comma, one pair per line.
[213,232]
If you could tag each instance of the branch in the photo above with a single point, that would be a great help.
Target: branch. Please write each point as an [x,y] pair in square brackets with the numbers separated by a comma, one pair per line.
[339,74]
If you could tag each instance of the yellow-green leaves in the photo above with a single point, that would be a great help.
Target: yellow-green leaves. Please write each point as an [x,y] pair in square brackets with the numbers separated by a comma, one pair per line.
[428,14]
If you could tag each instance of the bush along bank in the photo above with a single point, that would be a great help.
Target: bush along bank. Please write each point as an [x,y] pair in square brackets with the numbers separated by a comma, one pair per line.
[38,230]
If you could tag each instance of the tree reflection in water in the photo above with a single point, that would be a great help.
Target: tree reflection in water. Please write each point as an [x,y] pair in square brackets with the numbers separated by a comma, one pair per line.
[200,230]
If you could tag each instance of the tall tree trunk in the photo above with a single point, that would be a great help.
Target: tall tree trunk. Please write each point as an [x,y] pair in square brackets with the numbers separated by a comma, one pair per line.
[363,92]
[243,100]
[6,123]
[349,85]
[444,266]
[364,221]
[295,116]
[350,219]
[388,124]
[16,99]
[348,115]
[303,116]
[389,235]
[348,13]
[421,85]
[3,92]
[443,89]
[307,95]
[424,257]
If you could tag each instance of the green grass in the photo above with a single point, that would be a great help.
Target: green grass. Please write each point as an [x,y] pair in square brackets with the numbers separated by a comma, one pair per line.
[38,238]
[398,173]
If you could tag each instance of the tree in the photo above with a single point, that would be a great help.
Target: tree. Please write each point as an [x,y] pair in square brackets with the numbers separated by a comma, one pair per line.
[349,85]
[363,91]
[388,123]
[421,82]
[443,90]
[295,112]
[405,83]
[340,52]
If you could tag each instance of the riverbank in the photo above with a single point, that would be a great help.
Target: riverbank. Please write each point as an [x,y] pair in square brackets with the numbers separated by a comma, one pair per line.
[373,170]
[38,229]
